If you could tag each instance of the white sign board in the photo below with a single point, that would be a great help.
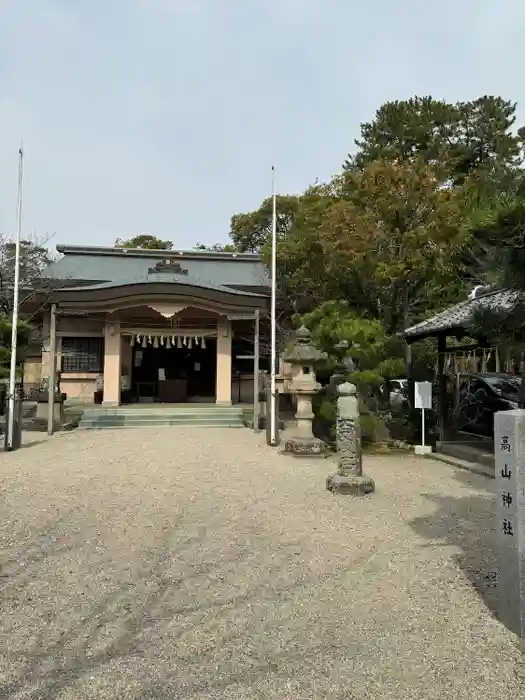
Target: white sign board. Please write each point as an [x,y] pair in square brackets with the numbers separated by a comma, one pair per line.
[423,395]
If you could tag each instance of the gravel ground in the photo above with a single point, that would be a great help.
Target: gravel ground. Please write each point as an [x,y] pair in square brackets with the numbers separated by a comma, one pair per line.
[183,564]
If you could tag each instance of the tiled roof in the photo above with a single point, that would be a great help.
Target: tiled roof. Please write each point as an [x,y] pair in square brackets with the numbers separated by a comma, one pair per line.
[119,266]
[459,316]
[189,280]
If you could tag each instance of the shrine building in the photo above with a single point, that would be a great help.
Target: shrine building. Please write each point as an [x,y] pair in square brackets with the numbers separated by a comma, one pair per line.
[133,325]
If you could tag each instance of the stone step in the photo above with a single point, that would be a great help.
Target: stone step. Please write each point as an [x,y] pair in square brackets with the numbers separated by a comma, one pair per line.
[147,415]
[103,410]
[159,417]
[474,451]
[172,416]
[95,425]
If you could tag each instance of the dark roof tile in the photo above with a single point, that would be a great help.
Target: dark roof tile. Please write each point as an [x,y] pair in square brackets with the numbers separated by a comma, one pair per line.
[459,316]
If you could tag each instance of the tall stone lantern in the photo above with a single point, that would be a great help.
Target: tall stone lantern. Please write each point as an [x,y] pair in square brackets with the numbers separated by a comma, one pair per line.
[304,358]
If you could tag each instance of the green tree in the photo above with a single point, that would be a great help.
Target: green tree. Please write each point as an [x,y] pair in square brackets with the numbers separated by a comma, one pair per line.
[462,138]
[217,247]
[249,232]
[145,241]
[34,258]
[502,230]
[23,336]
[377,359]
[389,244]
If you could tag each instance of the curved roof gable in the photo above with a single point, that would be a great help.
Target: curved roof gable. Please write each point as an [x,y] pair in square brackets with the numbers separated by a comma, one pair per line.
[169,279]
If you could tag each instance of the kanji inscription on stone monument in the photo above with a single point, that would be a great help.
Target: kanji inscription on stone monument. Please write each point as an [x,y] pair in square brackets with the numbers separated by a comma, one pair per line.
[509,453]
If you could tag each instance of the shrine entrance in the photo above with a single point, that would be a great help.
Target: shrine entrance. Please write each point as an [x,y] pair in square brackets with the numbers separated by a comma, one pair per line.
[183,371]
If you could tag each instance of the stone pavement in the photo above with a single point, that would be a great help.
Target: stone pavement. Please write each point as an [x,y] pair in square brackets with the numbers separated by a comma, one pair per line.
[183,564]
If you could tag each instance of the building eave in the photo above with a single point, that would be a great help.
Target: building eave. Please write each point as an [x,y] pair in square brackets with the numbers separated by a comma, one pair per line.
[457,319]
[101,296]
[66,249]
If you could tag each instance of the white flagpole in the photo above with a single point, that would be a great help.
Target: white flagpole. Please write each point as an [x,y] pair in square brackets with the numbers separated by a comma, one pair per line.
[273,342]
[14,319]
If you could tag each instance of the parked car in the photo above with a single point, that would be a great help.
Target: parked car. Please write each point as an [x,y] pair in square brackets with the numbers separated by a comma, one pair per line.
[481,396]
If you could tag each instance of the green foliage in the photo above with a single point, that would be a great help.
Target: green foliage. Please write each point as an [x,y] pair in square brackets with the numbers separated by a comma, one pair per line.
[334,321]
[217,247]
[377,357]
[250,232]
[369,424]
[145,241]
[432,200]
[34,258]
[462,138]
[23,335]
[388,239]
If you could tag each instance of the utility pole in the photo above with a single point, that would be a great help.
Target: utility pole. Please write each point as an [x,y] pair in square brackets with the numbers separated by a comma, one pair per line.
[273,341]
[14,318]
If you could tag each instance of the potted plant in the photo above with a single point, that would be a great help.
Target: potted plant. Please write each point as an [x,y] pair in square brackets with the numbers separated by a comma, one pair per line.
[98,394]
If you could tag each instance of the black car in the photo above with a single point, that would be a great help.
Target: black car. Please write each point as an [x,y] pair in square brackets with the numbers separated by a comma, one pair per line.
[480,396]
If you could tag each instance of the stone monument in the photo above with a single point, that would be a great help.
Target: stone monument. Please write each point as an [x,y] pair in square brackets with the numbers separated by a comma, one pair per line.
[304,357]
[509,453]
[349,478]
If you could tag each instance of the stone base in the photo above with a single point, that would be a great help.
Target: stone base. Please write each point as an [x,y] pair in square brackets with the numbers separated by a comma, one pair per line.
[422,449]
[350,485]
[42,411]
[305,447]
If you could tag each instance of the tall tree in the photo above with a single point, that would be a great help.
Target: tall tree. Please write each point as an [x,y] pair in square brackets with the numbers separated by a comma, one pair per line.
[390,245]
[145,241]
[24,333]
[408,238]
[34,258]
[462,137]
[249,232]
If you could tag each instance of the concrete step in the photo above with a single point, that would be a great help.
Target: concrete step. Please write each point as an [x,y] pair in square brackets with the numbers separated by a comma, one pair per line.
[157,424]
[474,451]
[463,464]
[161,416]
[94,418]
[228,410]
[159,419]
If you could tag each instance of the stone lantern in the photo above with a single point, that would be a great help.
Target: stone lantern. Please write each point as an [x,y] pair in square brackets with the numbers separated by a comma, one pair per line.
[304,357]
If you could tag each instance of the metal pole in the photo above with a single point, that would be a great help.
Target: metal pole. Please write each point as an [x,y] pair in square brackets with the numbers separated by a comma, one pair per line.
[273,360]
[14,319]
[256,372]
[52,371]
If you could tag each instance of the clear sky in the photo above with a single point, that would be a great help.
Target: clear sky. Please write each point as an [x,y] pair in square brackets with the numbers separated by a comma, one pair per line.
[165,116]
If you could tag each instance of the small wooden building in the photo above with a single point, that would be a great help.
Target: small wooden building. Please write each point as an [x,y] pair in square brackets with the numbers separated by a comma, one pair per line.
[458,352]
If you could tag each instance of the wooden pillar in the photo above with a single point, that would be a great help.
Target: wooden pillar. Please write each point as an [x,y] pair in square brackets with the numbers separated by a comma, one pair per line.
[52,370]
[223,383]
[442,386]
[112,364]
[256,340]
